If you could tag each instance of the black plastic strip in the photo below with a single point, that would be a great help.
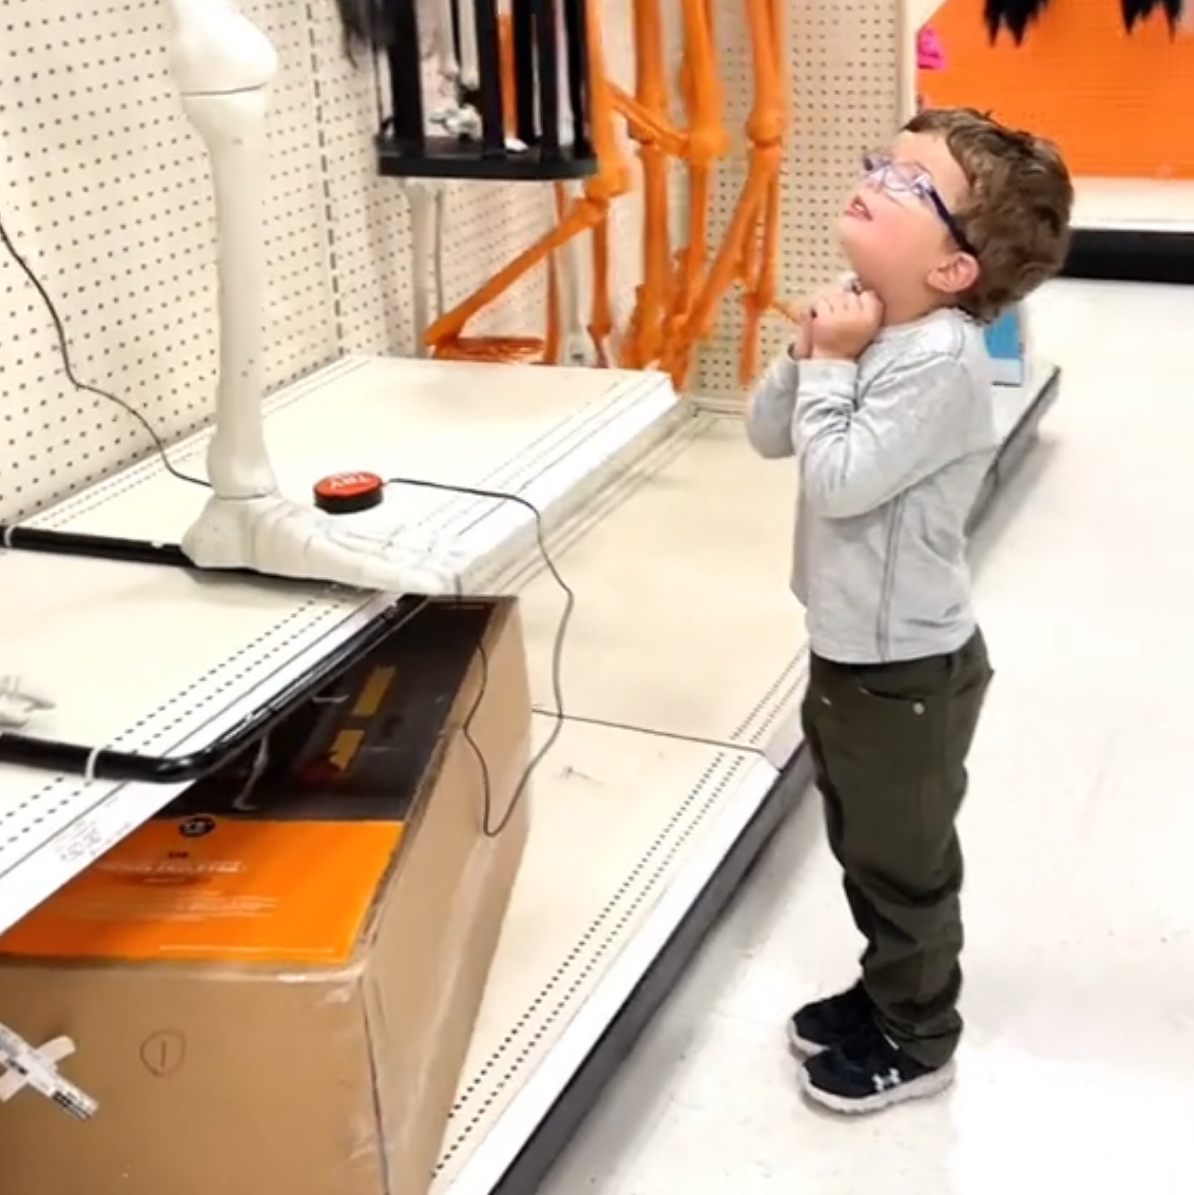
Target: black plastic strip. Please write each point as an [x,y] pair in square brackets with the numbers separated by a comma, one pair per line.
[80,544]
[451,158]
[548,77]
[1012,450]
[493,120]
[55,755]
[523,32]
[577,47]
[405,77]
[1127,255]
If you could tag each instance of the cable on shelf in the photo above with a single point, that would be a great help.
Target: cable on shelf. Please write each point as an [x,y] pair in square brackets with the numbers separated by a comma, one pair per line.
[557,714]
[86,387]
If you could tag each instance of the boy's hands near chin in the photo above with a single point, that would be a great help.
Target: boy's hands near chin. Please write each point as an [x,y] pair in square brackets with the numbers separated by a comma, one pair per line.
[842,325]
[802,343]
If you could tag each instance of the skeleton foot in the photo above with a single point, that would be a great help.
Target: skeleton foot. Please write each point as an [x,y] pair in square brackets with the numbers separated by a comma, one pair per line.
[456,120]
[20,702]
[282,538]
[579,350]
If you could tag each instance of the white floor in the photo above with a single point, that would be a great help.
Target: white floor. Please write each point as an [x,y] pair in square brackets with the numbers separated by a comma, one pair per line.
[1078,1070]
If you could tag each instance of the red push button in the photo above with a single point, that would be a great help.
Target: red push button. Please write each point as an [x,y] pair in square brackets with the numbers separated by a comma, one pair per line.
[349,493]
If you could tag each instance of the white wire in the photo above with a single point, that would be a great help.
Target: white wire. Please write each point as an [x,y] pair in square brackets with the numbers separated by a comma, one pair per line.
[89,769]
[470,73]
[419,196]
[445,42]
[572,290]
[441,221]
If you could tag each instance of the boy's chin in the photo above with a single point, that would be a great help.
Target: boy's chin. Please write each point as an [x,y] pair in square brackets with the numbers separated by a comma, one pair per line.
[864,256]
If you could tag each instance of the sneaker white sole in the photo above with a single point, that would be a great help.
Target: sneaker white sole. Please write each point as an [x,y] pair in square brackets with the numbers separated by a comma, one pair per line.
[801,1048]
[927,1086]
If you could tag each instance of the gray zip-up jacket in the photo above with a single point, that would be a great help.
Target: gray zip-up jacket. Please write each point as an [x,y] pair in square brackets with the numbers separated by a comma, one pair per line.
[892,451]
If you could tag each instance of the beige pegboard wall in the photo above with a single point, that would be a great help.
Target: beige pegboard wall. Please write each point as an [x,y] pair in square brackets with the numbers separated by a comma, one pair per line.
[845,69]
[105,191]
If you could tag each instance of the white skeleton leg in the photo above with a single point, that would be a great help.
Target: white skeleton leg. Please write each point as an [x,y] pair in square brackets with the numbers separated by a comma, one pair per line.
[445,43]
[224,66]
[575,289]
[423,196]
[470,70]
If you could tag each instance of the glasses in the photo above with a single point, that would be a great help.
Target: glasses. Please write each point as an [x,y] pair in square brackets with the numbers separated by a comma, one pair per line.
[906,178]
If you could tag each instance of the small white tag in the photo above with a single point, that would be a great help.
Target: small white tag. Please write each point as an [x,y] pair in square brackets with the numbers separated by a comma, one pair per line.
[26,1066]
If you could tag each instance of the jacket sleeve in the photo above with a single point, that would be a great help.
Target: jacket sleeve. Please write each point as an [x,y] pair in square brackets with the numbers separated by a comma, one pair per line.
[858,451]
[769,417]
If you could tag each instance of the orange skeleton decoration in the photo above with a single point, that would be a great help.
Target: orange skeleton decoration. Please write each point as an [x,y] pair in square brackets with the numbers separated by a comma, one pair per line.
[680,292]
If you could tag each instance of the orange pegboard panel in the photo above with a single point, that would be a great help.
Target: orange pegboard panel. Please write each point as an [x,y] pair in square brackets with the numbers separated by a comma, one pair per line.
[1119,104]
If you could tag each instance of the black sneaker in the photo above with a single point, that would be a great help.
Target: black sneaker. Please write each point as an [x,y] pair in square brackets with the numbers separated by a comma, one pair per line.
[825,1023]
[868,1072]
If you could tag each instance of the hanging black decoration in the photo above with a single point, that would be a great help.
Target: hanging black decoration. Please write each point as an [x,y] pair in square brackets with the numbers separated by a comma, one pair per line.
[1016,16]
[1138,11]
[364,25]
[473,142]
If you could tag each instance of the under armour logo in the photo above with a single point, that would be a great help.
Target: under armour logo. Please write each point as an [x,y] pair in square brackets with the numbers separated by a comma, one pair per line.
[888,1081]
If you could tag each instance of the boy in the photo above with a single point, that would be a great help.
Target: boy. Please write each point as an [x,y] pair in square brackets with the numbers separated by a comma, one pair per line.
[885,401]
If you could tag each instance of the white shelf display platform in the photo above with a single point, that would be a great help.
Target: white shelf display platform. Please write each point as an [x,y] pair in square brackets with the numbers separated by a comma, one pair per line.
[1134,204]
[684,623]
[628,829]
[161,661]
[1012,403]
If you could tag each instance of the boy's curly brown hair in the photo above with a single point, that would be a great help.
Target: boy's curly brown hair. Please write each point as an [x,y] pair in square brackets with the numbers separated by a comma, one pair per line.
[1017,214]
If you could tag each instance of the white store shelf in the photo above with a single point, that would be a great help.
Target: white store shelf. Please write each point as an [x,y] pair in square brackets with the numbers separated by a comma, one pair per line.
[695,630]
[1134,204]
[102,638]
[652,818]
[1012,403]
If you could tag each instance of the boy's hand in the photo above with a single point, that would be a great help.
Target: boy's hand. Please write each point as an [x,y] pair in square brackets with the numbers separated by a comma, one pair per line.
[844,323]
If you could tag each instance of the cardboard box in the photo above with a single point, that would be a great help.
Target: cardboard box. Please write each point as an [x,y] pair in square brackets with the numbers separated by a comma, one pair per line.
[272,986]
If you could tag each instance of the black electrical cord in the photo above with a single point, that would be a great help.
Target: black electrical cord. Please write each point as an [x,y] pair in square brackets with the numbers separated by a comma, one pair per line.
[72,377]
[557,713]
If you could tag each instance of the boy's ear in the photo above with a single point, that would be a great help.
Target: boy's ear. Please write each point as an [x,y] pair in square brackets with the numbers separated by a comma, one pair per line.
[956,275]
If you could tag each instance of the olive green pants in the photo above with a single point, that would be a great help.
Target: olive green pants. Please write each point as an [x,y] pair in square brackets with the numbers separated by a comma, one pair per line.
[889,745]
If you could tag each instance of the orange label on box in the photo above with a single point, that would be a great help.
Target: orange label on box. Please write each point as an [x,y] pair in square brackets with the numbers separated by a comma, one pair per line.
[210,889]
